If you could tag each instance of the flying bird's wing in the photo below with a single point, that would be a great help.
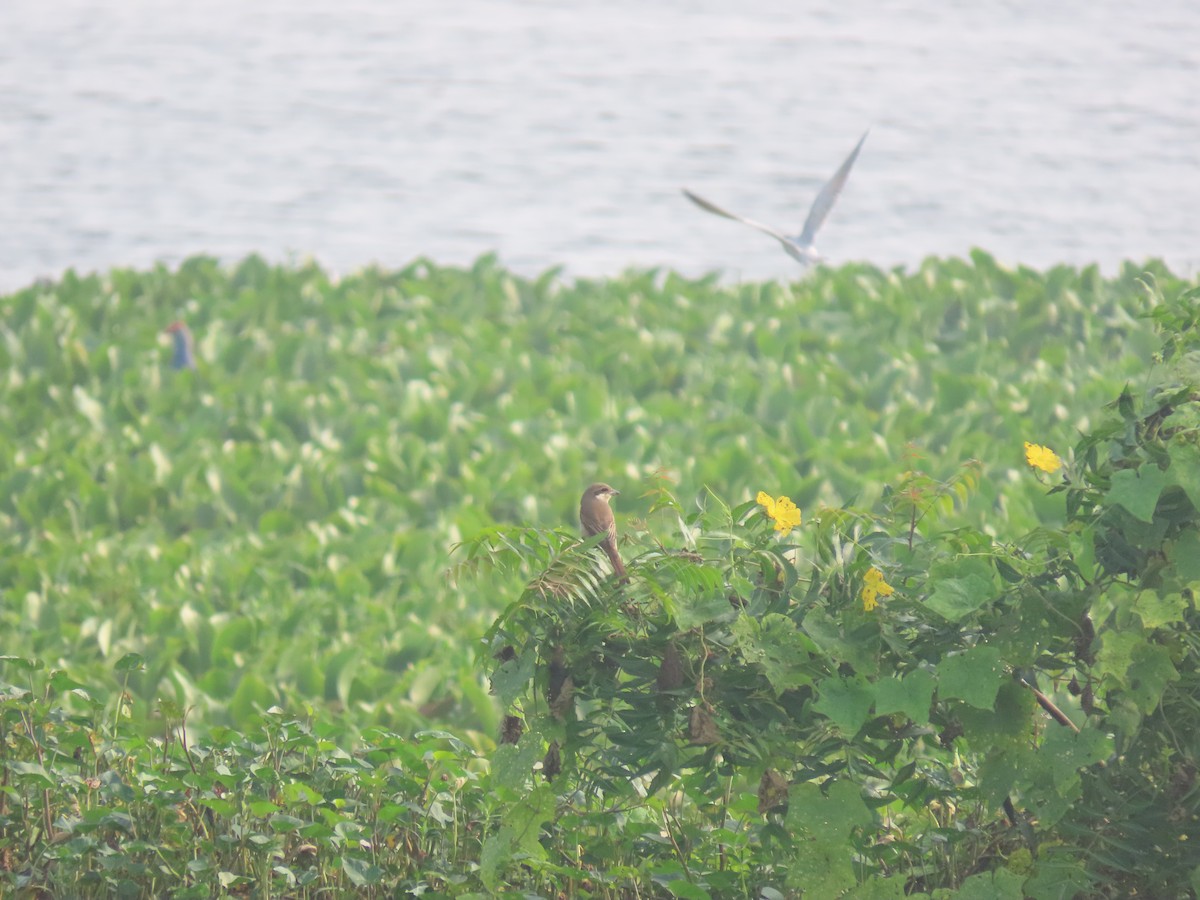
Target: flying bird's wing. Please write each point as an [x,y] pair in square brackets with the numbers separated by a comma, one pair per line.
[716,210]
[828,196]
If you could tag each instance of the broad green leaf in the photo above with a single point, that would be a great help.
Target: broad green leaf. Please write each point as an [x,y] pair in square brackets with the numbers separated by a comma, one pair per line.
[1185,469]
[1149,673]
[361,872]
[1156,610]
[240,634]
[699,606]
[1001,772]
[910,695]
[1006,722]
[299,792]
[1143,668]
[251,697]
[1068,752]
[518,838]
[859,648]
[130,662]
[512,764]
[957,598]
[511,679]
[775,644]
[974,676]
[683,888]
[285,823]
[821,823]
[24,662]
[1056,877]
[221,807]
[1184,554]
[1138,490]
[998,885]
[879,888]
[1115,654]
[830,815]
[820,869]
[846,701]
[63,682]
[32,770]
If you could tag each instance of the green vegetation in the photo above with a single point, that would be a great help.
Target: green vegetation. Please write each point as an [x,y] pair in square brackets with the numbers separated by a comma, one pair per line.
[242,656]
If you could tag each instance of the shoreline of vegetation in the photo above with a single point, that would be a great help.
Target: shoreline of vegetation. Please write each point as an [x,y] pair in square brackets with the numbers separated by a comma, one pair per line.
[313,619]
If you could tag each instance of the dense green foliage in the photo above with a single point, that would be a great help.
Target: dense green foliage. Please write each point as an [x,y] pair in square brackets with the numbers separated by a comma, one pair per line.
[787,728]
[274,531]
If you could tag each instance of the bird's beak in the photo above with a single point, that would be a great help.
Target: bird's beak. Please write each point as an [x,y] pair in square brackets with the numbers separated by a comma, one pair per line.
[616,493]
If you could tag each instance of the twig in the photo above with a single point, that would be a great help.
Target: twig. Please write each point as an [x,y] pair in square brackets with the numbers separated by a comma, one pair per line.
[1048,705]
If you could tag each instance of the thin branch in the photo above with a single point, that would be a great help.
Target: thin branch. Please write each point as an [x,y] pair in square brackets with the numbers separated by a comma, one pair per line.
[1048,705]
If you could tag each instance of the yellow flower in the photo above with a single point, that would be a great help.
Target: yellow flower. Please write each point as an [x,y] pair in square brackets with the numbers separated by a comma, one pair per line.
[1042,458]
[782,511]
[874,587]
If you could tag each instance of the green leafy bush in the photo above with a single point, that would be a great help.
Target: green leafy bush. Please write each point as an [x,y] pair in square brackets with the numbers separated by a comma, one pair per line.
[229,627]
[782,721]
[90,808]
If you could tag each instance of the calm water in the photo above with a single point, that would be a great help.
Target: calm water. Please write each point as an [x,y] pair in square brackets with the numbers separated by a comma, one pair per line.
[374,130]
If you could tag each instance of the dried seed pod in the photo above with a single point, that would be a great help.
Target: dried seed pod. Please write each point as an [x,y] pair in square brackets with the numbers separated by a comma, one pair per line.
[563,701]
[560,691]
[1083,641]
[511,729]
[670,673]
[772,791]
[702,729]
[505,654]
[1087,700]
[558,673]
[949,733]
[551,762]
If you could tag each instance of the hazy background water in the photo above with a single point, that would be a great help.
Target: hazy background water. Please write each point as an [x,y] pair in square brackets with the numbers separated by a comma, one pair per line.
[560,133]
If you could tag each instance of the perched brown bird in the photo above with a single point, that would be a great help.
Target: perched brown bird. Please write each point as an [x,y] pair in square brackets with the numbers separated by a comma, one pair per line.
[596,517]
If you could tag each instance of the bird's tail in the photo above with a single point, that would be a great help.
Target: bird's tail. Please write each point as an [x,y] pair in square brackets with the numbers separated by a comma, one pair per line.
[615,558]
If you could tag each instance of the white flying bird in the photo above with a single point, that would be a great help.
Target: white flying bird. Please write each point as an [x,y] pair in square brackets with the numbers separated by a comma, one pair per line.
[800,247]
